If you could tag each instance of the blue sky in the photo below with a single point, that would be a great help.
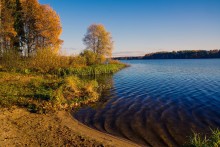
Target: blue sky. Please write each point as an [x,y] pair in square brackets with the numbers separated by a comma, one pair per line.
[142,26]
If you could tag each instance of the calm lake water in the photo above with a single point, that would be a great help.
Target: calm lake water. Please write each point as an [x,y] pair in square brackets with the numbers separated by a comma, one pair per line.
[159,102]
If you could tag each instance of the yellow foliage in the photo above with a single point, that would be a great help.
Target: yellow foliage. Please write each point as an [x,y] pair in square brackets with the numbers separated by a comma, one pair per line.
[27,26]
[49,27]
[93,58]
[77,61]
[7,30]
[99,40]
[45,60]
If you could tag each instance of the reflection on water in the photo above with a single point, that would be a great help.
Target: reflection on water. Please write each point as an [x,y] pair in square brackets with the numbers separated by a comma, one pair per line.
[159,102]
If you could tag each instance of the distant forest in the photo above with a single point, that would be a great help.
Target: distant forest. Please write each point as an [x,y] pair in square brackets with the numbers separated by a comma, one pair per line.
[187,54]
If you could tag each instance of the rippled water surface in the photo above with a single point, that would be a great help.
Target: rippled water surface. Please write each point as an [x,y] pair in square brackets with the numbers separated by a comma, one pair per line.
[159,102]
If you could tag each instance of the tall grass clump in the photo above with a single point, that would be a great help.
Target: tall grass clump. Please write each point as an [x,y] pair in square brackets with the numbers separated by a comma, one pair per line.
[76,91]
[212,141]
[42,94]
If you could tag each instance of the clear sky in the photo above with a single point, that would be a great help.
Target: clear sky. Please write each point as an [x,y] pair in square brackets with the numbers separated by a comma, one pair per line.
[142,26]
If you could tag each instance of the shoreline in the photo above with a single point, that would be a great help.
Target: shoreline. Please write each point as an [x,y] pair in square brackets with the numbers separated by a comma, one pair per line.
[104,137]
[19,127]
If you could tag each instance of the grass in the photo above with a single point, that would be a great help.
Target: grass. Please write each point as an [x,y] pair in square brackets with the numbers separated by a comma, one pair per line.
[90,70]
[212,141]
[48,81]
[44,93]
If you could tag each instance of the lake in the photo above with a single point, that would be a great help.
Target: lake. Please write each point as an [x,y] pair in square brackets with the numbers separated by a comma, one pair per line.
[159,102]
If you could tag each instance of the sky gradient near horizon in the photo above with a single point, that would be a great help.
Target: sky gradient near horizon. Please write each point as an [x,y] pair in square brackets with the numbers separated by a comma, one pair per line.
[142,26]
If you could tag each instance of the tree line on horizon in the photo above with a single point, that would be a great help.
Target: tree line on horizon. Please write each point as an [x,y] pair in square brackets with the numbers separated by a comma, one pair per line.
[184,54]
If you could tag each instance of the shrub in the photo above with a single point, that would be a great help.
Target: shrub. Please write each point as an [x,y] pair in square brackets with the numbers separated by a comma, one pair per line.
[77,61]
[10,60]
[114,62]
[92,58]
[89,56]
[44,61]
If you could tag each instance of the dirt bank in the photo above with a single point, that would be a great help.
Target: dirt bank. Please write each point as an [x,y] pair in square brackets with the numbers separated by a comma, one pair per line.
[19,127]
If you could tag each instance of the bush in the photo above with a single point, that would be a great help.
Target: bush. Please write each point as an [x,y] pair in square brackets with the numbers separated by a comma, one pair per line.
[77,61]
[10,60]
[89,56]
[114,62]
[92,58]
[44,61]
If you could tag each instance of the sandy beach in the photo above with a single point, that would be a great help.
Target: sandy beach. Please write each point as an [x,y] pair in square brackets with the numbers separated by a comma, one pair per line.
[19,127]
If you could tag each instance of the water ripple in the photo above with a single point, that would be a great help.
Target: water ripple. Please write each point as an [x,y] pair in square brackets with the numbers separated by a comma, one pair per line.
[159,102]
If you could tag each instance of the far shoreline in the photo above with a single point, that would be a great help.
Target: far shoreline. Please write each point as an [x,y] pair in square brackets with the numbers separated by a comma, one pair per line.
[184,54]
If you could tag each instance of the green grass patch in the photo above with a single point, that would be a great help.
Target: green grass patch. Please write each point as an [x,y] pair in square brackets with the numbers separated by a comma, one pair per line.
[48,81]
[90,70]
[44,93]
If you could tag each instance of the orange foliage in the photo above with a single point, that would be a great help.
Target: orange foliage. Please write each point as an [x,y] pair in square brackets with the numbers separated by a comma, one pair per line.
[6,25]
[49,27]
[45,26]
[40,26]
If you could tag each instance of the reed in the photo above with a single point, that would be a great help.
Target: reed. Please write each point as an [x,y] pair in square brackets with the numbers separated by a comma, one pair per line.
[212,141]
[91,70]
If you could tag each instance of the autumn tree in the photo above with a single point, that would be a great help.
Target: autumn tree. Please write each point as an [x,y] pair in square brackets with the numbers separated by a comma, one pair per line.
[27,26]
[7,31]
[49,28]
[98,40]
[42,26]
